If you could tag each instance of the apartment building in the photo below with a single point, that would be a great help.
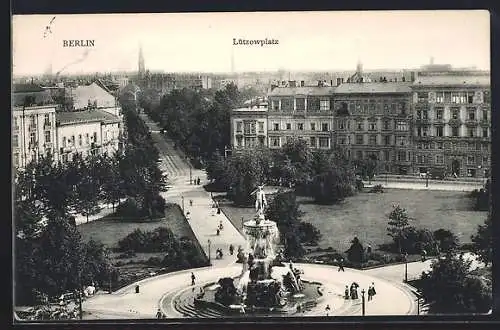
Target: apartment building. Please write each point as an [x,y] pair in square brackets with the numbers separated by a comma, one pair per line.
[249,126]
[373,120]
[301,112]
[452,121]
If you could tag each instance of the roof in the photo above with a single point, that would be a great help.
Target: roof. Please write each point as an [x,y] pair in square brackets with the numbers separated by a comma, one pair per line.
[87,116]
[374,87]
[307,90]
[256,109]
[26,88]
[93,92]
[42,97]
[453,80]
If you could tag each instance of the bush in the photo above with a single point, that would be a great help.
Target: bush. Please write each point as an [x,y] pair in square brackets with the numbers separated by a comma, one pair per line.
[355,254]
[129,209]
[309,234]
[154,261]
[447,241]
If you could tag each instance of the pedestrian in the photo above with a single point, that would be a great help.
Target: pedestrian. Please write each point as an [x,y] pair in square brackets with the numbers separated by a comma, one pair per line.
[369,249]
[327,310]
[346,293]
[190,202]
[199,181]
[193,278]
[424,254]
[231,249]
[218,209]
[371,291]
[341,265]
[137,288]
[158,314]
[220,225]
[218,231]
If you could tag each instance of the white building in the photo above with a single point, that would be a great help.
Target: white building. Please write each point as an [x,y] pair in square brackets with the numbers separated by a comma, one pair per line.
[33,133]
[87,132]
[95,96]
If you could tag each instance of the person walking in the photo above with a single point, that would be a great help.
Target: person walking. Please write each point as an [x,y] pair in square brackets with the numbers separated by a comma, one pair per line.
[424,255]
[371,291]
[341,265]
[346,293]
[193,278]
[199,181]
[327,310]
[220,225]
[218,231]
[159,314]
[190,202]
[231,249]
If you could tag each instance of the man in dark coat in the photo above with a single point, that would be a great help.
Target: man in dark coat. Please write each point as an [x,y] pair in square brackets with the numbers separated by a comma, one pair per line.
[341,265]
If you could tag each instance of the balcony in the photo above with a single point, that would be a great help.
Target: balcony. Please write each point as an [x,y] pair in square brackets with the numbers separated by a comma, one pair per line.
[471,122]
[422,121]
[454,122]
[439,121]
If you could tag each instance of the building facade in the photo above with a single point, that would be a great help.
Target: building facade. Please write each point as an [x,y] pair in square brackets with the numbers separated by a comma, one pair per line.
[440,119]
[373,120]
[304,112]
[452,122]
[33,133]
[249,127]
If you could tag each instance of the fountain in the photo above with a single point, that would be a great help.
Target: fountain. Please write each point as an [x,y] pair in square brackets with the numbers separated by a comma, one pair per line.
[266,286]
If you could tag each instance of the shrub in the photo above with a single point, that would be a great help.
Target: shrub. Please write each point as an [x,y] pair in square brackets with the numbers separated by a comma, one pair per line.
[355,254]
[309,234]
[130,210]
[154,261]
[446,240]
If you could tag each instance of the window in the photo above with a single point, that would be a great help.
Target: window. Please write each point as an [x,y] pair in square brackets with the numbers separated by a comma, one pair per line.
[249,128]
[401,126]
[425,114]
[485,132]
[439,131]
[312,141]
[454,131]
[275,141]
[324,127]
[324,105]
[261,127]
[46,120]
[373,140]
[387,124]
[402,108]
[455,114]
[360,125]
[387,155]
[422,97]
[47,136]
[32,139]
[80,142]
[387,140]
[486,97]
[288,126]
[275,105]
[300,126]
[239,127]
[359,139]
[485,115]
[359,154]
[87,138]
[485,160]
[439,159]
[420,159]
[458,97]
[95,137]
[471,160]
[472,114]
[447,97]
[313,126]
[373,126]
[239,141]
[401,156]
[427,145]
[250,142]
[300,104]
[425,131]
[400,140]
[276,127]
[470,132]
[16,159]
[33,121]
[15,123]
[439,97]
[439,114]
[287,104]
[15,141]
[342,140]
[472,146]
[261,140]
[324,142]
[439,145]
[342,124]
[470,97]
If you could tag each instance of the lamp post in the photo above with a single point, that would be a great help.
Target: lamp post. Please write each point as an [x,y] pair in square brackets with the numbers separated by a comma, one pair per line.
[405,257]
[363,302]
[209,242]
[427,179]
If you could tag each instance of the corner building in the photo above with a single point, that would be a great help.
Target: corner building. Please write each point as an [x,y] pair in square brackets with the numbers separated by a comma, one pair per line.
[452,122]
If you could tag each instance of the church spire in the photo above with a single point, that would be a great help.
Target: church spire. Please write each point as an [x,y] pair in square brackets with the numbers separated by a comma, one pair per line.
[141,61]
[359,68]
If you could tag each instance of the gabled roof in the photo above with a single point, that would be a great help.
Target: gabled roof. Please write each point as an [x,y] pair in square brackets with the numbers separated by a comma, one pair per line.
[87,116]
[94,92]
[453,80]
[374,87]
[307,90]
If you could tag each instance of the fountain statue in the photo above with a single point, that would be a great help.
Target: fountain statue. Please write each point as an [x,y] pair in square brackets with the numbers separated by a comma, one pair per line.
[265,283]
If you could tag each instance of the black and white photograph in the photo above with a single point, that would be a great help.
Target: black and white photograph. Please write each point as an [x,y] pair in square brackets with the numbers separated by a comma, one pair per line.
[248,165]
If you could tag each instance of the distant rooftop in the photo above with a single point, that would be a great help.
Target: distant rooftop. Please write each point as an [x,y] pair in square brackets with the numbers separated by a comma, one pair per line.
[374,87]
[306,90]
[453,80]
[26,88]
[87,116]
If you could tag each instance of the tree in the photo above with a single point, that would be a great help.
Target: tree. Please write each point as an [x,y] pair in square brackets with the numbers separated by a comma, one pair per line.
[482,241]
[399,224]
[113,185]
[450,287]
[309,234]
[296,162]
[446,239]
[284,210]
[355,253]
[89,189]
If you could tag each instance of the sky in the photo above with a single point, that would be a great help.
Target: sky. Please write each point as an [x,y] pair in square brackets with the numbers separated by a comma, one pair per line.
[203,42]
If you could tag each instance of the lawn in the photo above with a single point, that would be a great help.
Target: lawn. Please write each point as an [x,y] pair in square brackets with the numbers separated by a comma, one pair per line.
[365,215]
[110,230]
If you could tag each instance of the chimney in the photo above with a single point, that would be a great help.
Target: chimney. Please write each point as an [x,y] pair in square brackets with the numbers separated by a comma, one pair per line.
[302,83]
[331,82]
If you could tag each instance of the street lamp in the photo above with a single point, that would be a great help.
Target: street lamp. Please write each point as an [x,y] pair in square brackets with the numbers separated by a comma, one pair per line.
[209,242]
[427,179]
[405,257]
[363,301]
